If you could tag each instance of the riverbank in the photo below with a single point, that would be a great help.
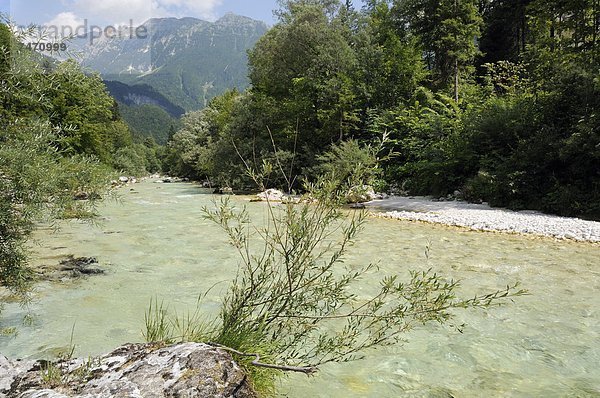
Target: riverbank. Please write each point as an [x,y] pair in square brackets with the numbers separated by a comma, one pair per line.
[480,217]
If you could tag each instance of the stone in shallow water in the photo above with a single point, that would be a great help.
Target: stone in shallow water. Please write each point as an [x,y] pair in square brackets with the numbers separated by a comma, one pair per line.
[270,195]
[70,268]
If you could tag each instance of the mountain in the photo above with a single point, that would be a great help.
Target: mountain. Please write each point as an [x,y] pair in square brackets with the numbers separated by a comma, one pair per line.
[149,120]
[184,61]
[142,94]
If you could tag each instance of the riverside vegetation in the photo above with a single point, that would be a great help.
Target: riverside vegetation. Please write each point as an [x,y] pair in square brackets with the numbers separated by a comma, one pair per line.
[508,118]
[496,100]
[292,305]
[61,137]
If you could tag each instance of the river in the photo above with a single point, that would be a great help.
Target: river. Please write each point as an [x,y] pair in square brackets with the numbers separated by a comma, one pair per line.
[155,243]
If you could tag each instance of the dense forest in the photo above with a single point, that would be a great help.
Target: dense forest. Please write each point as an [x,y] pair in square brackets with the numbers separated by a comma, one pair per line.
[492,101]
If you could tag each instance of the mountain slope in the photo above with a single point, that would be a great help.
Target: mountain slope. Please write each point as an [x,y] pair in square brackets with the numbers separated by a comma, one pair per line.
[142,94]
[188,61]
[149,120]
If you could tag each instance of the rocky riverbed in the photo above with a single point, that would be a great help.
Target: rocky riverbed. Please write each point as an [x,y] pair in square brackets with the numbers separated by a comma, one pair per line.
[481,217]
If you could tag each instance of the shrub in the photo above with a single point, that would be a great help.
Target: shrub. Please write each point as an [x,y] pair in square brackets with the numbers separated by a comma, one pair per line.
[38,184]
[293,306]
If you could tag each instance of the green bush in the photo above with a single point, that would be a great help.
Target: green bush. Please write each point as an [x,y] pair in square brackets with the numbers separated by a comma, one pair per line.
[38,184]
[55,124]
[292,305]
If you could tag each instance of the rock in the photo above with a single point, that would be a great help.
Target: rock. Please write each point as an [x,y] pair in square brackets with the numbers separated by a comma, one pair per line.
[9,371]
[134,370]
[225,191]
[168,180]
[380,196]
[43,394]
[70,268]
[80,265]
[81,195]
[271,195]
[123,179]
[360,194]
[357,205]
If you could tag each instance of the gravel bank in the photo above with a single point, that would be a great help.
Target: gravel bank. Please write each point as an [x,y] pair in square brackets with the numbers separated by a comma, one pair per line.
[484,218]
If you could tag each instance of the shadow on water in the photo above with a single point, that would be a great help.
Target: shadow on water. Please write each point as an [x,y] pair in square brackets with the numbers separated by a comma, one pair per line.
[191,189]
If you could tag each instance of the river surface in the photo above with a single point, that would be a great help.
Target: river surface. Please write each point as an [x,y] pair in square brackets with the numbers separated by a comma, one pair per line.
[155,243]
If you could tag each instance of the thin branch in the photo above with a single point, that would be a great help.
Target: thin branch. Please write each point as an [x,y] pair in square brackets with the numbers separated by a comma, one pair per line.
[307,370]
[294,157]
[277,160]
[480,302]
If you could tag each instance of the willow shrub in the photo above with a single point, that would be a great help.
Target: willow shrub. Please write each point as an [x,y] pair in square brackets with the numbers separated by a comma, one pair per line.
[39,176]
[293,302]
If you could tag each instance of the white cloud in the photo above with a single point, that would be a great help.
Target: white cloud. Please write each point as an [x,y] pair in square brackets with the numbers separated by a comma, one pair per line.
[63,25]
[65,19]
[111,11]
[121,11]
[199,8]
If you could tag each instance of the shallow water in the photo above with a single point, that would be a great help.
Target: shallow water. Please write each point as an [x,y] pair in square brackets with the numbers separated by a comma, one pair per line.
[156,244]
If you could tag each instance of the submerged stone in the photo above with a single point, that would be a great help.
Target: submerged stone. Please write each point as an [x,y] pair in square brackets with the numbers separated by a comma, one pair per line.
[70,268]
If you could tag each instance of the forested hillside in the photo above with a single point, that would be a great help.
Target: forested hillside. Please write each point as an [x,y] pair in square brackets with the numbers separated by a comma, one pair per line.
[491,101]
[149,121]
[140,95]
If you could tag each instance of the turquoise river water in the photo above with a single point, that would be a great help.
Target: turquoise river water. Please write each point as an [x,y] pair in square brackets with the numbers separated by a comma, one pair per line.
[155,243]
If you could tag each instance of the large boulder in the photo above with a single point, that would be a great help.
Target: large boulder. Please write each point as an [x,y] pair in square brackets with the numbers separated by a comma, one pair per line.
[133,370]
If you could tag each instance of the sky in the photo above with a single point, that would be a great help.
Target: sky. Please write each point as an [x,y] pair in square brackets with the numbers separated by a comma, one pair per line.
[119,12]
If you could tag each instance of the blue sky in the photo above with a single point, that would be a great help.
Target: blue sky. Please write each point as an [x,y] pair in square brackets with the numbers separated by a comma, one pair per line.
[109,12]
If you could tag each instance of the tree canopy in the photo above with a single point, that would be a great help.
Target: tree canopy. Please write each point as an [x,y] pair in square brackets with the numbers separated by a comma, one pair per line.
[495,100]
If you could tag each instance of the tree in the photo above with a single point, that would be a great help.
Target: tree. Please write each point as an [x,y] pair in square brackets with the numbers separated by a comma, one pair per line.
[448,31]
[505,33]
[390,62]
[306,63]
[6,42]
[38,181]
[83,103]
[572,25]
